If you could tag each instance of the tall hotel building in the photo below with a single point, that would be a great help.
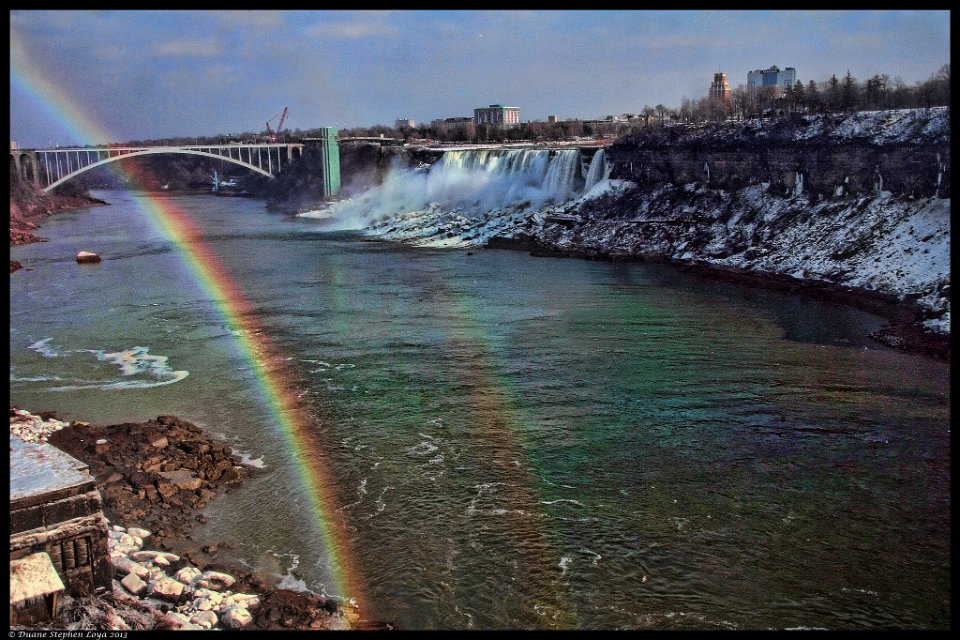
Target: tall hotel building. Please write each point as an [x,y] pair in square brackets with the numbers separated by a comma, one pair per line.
[772,77]
[720,89]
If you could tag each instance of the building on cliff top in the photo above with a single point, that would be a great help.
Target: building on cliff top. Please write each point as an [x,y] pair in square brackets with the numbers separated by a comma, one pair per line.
[772,77]
[497,115]
[720,89]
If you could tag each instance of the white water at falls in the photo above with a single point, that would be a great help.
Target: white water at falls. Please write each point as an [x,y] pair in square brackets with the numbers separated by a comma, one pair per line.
[472,183]
[599,170]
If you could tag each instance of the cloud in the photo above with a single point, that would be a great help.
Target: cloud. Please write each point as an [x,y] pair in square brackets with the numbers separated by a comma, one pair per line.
[195,47]
[246,19]
[352,30]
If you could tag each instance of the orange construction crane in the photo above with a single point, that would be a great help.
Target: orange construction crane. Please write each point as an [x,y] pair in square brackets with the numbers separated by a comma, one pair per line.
[271,134]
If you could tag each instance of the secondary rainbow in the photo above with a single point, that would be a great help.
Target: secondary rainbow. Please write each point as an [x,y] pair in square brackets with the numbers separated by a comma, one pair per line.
[273,379]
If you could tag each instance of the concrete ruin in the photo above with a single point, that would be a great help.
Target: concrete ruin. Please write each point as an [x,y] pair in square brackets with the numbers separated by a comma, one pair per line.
[55,510]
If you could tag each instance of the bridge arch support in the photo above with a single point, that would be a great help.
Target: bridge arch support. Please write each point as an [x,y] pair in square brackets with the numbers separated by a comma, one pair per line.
[155,151]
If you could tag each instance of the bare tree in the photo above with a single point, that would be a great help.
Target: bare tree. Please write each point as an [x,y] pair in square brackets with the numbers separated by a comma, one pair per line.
[661,111]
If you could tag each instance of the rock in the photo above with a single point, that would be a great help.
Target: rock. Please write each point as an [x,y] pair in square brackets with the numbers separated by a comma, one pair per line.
[215,580]
[113,477]
[177,620]
[166,489]
[273,614]
[203,604]
[245,600]
[137,531]
[235,617]
[159,442]
[129,540]
[134,584]
[167,589]
[125,565]
[122,550]
[151,556]
[15,265]
[187,575]
[87,257]
[183,479]
[205,619]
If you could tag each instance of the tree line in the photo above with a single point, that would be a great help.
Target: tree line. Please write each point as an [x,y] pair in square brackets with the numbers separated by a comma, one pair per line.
[834,95]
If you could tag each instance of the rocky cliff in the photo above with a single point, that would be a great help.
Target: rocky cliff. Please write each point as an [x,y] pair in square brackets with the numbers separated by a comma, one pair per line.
[857,204]
[29,205]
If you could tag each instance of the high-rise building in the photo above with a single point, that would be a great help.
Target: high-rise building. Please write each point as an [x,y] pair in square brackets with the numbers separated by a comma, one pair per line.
[497,115]
[772,77]
[720,89]
[405,122]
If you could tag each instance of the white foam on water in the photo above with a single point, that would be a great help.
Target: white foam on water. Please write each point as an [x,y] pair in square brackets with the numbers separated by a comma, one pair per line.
[571,501]
[43,349]
[596,556]
[422,449]
[245,458]
[289,580]
[563,564]
[14,378]
[132,362]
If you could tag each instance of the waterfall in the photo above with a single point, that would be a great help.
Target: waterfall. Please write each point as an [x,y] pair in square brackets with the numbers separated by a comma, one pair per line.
[472,182]
[598,170]
[878,181]
[706,169]
[798,184]
[561,174]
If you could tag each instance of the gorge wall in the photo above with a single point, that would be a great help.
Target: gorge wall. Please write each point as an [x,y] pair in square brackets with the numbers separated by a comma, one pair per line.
[858,201]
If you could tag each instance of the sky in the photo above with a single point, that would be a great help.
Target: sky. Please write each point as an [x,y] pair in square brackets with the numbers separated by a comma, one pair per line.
[133,75]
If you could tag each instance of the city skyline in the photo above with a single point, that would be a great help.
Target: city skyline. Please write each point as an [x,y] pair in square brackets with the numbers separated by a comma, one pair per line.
[158,74]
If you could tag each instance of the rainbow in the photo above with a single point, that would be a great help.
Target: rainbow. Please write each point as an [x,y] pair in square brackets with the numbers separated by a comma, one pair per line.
[272,376]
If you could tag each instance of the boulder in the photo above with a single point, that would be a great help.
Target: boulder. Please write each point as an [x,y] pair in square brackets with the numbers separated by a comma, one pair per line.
[203,604]
[187,575]
[177,620]
[235,617]
[167,589]
[134,584]
[215,580]
[125,565]
[205,619]
[183,479]
[245,600]
[151,556]
[87,257]
[140,533]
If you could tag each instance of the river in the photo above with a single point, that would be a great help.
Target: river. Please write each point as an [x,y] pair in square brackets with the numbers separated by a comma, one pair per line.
[516,442]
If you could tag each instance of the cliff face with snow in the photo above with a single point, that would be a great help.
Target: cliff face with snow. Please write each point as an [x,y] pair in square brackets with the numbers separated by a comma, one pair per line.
[860,201]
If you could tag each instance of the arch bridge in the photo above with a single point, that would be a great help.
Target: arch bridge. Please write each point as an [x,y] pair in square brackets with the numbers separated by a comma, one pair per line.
[49,168]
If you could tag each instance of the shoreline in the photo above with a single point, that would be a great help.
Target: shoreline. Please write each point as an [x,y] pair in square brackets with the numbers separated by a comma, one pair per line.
[904,332]
[154,479]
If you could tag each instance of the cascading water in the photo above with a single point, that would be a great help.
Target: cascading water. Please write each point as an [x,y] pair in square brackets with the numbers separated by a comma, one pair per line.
[599,170]
[470,183]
